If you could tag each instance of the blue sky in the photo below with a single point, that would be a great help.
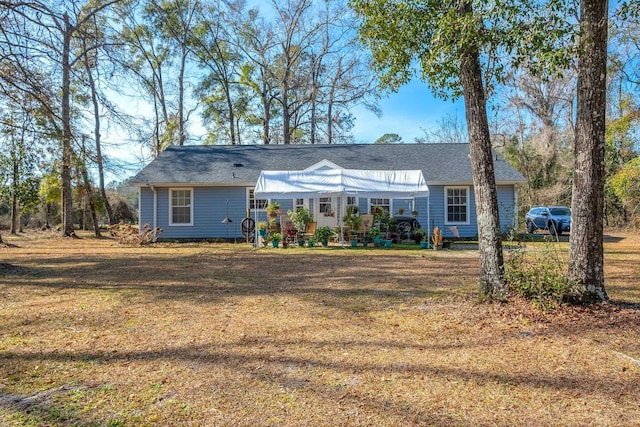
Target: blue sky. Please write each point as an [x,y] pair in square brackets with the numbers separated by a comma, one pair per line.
[406,112]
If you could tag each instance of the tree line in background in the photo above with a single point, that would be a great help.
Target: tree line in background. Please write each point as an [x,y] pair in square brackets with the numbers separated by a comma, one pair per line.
[291,71]
[284,72]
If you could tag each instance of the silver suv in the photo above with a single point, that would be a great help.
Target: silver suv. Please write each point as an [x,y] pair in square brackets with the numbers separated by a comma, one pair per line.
[556,219]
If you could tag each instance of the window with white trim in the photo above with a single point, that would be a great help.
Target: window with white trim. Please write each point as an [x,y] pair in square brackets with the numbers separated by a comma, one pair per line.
[456,205]
[181,206]
[259,204]
[298,203]
[383,203]
[352,200]
[324,206]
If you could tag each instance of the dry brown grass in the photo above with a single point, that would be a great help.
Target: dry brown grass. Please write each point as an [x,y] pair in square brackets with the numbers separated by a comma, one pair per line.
[93,333]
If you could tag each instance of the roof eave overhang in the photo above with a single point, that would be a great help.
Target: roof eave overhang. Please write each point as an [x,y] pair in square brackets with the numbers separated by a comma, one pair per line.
[458,183]
[194,184]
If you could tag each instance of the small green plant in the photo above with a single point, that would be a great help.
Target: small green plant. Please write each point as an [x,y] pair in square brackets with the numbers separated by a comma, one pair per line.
[274,208]
[301,217]
[420,235]
[323,234]
[261,225]
[352,219]
[538,277]
[275,237]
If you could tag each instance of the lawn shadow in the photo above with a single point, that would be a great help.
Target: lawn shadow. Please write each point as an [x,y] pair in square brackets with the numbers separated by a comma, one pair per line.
[208,277]
[284,368]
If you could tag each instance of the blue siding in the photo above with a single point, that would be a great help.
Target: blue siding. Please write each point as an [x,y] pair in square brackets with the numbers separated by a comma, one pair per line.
[405,204]
[210,208]
[506,199]
[145,214]
[438,213]
[506,207]
[421,206]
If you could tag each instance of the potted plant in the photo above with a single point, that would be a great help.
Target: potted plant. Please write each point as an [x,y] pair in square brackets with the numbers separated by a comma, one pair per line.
[400,211]
[300,218]
[311,243]
[261,226]
[377,211]
[420,236]
[414,214]
[275,239]
[328,213]
[273,209]
[374,234]
[353,238]
[353,221]
[323,234]
[436,238]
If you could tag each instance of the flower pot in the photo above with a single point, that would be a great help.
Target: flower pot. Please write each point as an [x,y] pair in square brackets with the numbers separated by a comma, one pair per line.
[262,233]
[311,244]
[365,244]
[325,242]
[354,243]
[424,245]
[275,244]
[387,243]
[301,243]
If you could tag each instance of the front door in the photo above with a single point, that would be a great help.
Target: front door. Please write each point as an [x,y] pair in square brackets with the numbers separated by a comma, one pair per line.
[325,211]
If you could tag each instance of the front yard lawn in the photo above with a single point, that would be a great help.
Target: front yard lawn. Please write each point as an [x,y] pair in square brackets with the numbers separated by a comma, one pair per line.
[93,333]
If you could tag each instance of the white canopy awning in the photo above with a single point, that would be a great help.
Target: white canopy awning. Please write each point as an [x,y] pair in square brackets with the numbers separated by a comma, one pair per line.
[341,182]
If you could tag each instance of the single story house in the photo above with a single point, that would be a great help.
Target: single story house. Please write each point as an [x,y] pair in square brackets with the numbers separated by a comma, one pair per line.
[202,192]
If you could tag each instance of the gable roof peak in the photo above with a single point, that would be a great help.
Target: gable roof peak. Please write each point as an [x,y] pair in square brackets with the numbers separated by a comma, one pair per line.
[323,164]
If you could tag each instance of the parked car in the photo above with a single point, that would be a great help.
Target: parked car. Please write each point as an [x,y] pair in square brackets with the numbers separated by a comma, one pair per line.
[556,219]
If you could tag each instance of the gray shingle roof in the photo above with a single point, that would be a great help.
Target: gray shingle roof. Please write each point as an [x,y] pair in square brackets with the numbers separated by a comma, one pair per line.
[242,164]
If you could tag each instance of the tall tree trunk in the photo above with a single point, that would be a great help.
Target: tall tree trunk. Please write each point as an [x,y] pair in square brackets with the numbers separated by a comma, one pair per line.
[586,253]
[181,121]
[315,70]
[491,260]
[286,115]
[15,212]
[232,117]
[157,140]
[329,121]
[313,120]
[97,137]
[238,131]
[266,122]
[89,190]
[67,198]
[92,205]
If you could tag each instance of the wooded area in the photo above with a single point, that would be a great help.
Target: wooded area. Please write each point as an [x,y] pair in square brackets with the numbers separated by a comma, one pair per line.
[291,72]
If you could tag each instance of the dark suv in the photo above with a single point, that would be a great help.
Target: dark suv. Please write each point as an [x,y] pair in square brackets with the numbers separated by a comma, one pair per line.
[556,219]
